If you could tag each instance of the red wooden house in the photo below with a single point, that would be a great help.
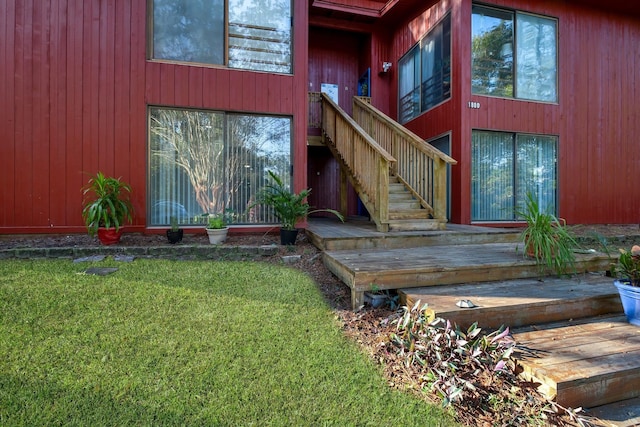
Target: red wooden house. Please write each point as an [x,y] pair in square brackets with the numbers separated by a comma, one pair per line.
[191,102]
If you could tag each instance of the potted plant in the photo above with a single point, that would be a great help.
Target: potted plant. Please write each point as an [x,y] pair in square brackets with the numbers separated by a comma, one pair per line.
[547,239]
[216,229]
[627,273]
[175,233]
[378,298]
[107,206]
[290,208]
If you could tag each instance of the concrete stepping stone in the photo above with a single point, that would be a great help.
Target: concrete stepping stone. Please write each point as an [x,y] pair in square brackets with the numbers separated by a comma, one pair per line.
[91,258]
[100,271]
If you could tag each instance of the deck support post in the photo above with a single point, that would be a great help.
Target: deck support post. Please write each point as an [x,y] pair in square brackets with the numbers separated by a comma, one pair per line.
[357,299]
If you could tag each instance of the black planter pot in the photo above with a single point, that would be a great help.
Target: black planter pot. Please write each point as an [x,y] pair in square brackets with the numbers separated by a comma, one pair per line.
[174,236]
[288,237]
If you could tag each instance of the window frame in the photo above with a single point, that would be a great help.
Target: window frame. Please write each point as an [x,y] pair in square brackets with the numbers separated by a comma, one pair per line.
[514,69]
[227,119]
[516,175]
[150,43]
[411,53]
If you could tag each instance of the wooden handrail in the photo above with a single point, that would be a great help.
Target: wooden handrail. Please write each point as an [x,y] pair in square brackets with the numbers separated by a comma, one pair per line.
[369,164]
[419,165]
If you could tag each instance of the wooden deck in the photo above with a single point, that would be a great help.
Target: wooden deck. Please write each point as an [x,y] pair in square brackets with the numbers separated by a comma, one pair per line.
[581,363]
[520,302]
[358,233]
[587,364]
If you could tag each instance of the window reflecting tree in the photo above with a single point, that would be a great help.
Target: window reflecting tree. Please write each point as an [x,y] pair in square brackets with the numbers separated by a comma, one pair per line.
[492,47]
[260,35]
[189,30]
[224,158]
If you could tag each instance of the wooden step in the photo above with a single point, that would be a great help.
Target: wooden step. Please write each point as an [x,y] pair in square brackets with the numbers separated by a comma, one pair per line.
[587,364]
[411,214]
[415,224]
[439,265]
[520,302]
[396,187]
[360,233]
[400,197]
[403,205]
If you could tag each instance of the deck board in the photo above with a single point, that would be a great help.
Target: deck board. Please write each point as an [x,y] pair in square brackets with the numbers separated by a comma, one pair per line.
[589,364]
[439,265]
[519,302]
[356,233]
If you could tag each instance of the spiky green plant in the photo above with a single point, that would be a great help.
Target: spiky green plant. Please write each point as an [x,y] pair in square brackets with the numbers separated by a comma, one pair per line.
[107,203]
[547,239]
[288,207]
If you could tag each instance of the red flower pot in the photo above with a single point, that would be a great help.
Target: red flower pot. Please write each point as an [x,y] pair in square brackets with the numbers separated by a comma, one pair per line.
[109,236]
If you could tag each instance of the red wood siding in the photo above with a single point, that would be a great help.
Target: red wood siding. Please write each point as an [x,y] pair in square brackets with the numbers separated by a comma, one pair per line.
[336,57]
[599,69]
[75,85]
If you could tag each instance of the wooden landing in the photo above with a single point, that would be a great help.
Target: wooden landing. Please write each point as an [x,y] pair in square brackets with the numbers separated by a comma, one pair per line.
[587,364]
[359,233]
[438,265]
[520,302]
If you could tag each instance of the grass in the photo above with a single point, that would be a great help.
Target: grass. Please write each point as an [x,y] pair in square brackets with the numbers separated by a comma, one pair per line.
[183,343]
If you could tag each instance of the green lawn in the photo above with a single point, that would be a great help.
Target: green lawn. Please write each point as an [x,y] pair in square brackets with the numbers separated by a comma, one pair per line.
[183,343]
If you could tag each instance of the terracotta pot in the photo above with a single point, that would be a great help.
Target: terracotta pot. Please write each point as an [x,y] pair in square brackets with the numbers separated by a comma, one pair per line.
[109,236]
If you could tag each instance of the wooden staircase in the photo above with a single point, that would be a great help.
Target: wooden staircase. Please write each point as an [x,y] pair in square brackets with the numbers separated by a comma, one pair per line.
[572,337]
[405,212]
[401,180]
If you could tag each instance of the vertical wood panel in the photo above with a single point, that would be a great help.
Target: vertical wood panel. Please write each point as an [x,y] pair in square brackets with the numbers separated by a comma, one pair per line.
[24,110]
[90,142]
[153,83]
[296,99]
[106,88]
[39,118]
[181,86]
[74,178]
[249,95]
[58,134]
[122,86]
[167,84]
[138,110]
[195,87]
[7,112]
[222,93]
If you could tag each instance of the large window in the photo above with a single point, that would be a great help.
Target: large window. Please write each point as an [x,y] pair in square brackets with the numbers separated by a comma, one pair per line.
[505,167]
[204,162]
[425,72]
[253,35]
[531,73]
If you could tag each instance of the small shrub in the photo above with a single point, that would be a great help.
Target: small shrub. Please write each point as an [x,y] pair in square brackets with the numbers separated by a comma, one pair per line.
[471,371]
[448,360]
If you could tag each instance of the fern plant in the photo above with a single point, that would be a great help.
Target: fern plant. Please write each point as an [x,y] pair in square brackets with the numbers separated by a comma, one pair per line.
[288,207]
